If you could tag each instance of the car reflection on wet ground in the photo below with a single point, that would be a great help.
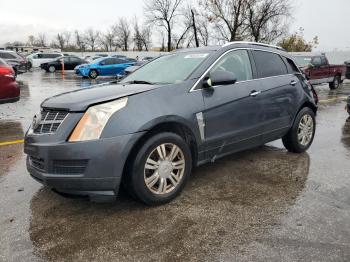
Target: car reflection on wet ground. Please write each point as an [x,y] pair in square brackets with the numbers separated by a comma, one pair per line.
[263,204]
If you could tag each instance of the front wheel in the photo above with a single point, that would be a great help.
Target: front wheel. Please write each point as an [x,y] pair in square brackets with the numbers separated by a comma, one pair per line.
[301,135]
[160,169]
[336,83]
[93,74]
[52,69]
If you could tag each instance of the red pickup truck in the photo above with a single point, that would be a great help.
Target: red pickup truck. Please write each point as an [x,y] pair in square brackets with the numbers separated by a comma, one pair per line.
[318,70]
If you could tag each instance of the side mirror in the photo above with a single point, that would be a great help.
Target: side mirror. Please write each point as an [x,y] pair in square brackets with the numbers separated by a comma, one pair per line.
[220,78]
[102,63]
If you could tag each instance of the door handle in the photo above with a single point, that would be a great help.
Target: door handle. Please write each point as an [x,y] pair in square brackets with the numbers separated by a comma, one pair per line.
[293,82]
[255,93]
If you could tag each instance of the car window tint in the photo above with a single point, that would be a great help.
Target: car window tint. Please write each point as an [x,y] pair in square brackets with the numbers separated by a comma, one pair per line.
[121,61]
[323,60]
[269,64]
[7,56]
[108,61]
[291,66]
[317,61]
[236,62]
[74,59]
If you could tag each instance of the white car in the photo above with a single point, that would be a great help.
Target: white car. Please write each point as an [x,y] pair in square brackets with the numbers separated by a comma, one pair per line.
[35,60]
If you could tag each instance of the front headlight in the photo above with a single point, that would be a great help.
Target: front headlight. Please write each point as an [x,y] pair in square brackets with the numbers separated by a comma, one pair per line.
[94,120]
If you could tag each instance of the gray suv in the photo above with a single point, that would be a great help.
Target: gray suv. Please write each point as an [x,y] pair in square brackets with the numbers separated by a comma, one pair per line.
[179,111]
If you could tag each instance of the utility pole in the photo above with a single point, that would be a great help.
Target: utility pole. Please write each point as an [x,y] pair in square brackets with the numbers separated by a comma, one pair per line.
[195,29]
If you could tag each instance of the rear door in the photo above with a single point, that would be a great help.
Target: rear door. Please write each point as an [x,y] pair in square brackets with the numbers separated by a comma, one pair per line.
[232,112]
[278,93]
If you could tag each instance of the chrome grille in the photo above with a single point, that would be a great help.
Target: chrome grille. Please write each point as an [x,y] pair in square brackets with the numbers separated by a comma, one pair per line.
[50,121]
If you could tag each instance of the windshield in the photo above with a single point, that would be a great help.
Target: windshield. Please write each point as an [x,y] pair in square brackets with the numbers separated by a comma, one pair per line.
[303,61]
[169,69]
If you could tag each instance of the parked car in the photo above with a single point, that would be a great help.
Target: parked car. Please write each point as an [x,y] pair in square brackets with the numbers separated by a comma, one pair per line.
[109,66]
[18,62]
[134,67]
[36,59]
[70,63]
[319,71]
[184,109]
[119,56]
[9,89]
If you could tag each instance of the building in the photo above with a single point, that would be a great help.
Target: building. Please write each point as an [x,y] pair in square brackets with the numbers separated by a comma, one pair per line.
[31,49]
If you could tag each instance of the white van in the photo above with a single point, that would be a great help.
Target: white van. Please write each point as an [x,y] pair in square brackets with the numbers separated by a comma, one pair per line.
[37,59]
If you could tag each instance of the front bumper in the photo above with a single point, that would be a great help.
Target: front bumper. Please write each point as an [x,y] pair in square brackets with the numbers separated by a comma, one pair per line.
[84,168]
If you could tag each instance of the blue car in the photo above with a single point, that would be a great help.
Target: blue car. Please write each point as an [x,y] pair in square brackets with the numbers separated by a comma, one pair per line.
[104,66]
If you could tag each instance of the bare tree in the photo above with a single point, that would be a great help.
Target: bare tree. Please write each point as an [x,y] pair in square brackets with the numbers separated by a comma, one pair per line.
[79,40]
[108,40]
[60,41]
[41,39]
[67,35]
[92,38]
[265,19]
[31,40]
[187,21]
[163,13]
[137,36]
[203,31]
[123,33]
[146,37]
[228,17]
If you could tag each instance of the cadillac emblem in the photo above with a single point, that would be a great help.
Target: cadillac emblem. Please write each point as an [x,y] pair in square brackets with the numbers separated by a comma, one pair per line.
[36,121]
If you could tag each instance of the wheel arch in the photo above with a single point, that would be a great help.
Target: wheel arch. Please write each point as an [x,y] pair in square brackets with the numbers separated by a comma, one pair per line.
[175,127]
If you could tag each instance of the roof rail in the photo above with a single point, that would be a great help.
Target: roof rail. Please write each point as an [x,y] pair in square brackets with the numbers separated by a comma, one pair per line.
[254,43]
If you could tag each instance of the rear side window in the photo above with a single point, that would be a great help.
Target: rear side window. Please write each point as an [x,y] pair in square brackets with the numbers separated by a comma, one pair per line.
[291,66]
[269,64]
[109,61]
[7,56]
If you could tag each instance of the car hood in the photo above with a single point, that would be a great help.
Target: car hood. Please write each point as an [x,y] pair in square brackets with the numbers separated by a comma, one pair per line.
[80,100]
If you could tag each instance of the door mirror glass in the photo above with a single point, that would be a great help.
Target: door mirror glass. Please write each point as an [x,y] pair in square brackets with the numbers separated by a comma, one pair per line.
[102,63]
[220,77]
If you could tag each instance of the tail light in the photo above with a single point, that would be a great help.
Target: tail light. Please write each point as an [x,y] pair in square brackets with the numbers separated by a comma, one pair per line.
[7,72]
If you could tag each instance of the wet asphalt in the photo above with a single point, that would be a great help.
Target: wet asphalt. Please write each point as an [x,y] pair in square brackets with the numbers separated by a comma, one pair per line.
[263,204]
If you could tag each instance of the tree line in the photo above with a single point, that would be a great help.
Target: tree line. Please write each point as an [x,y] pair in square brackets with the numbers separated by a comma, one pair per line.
[182,24]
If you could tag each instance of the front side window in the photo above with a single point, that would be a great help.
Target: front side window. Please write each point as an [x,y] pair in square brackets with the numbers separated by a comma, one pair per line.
[169,69]
[269,64]
[237,63]
[317,61]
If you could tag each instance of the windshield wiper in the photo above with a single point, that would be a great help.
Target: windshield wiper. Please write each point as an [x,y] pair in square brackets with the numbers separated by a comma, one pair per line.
[140,82]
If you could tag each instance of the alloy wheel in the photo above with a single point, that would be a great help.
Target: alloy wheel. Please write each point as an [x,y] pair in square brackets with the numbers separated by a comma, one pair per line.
[164,168]
[305,130]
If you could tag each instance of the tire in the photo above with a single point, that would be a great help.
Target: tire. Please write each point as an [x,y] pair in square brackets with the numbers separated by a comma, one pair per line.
[52,69]
[336,83]
[29,66]
[147,162]
[93,74]
[291,141]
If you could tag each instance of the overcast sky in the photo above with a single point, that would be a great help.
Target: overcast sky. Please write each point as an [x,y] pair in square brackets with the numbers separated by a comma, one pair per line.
[327,19]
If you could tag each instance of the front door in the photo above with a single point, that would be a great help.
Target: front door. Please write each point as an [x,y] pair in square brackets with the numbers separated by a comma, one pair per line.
[232,112]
